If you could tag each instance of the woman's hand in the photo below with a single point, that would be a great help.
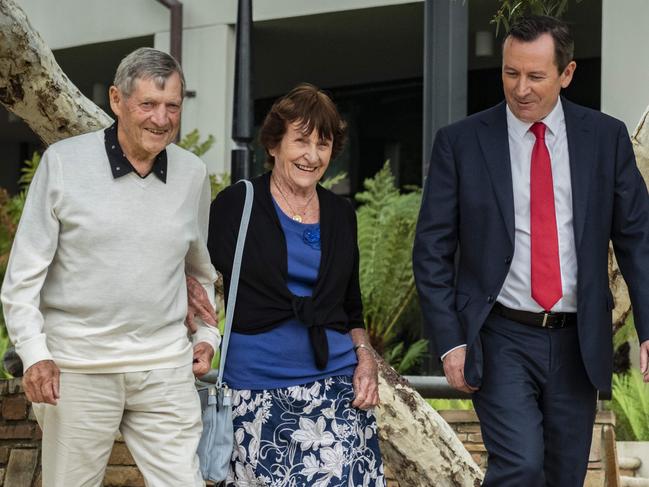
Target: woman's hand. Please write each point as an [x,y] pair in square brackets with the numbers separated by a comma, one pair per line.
[198,304]
[203,354]
[366,380]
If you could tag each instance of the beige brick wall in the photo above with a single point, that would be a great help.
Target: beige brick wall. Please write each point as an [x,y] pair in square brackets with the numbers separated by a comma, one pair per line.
[467,427]
[20,446]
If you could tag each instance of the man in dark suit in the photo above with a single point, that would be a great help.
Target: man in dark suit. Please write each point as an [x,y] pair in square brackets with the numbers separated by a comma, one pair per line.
[510,260]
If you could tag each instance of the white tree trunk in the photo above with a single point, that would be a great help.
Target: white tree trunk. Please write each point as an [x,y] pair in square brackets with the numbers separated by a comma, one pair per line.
[640,140]
[417,445]
[33,87]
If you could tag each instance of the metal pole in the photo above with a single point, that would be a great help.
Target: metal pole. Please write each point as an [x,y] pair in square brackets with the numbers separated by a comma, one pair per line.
[242,120]
[445,80]
[176,28]
[175,36]
[446,32]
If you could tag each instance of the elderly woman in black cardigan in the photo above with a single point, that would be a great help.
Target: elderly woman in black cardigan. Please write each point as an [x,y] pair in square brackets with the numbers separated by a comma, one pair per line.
[300,364]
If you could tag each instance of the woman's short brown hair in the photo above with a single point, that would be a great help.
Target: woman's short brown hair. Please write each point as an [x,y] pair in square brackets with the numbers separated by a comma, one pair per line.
[313,109]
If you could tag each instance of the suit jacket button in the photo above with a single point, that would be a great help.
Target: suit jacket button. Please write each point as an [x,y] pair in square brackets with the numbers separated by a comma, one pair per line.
[490,299]
[508,260]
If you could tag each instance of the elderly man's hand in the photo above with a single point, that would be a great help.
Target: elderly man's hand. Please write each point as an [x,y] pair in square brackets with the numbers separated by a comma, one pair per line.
[366,380]
[41,382]
[203,353]
[454,370]
[198,304]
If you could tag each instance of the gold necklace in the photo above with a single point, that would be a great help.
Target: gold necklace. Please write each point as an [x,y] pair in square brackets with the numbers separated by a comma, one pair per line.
[296,214]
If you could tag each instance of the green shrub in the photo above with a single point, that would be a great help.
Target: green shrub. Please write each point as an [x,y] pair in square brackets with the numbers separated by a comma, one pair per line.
[510,10]
[625,333]
[630,403]
[386,229]
[192,142]
[446,404]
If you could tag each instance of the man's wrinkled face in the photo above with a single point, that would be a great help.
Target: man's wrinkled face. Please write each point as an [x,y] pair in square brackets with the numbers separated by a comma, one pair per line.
[149,118]
[531,80]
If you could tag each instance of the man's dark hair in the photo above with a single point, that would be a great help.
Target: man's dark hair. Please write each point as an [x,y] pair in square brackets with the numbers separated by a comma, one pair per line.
[528,28]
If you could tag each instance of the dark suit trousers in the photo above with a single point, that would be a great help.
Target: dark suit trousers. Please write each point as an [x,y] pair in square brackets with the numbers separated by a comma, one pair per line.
[536,406]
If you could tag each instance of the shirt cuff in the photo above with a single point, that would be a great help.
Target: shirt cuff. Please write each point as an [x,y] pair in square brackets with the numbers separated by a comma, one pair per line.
[454,348]
[206,333]
[33,350]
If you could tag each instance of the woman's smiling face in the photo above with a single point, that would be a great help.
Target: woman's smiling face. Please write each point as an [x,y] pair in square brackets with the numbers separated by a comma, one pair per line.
[301,159]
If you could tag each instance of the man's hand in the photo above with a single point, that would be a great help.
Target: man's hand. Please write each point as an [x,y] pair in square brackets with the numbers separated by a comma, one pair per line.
[454,370]
[203,353]
[644,359]
[198,304]
[366,381]
[41,382]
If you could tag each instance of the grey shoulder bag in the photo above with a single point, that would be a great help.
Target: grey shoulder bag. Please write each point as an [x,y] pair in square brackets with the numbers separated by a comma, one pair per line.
[217,439]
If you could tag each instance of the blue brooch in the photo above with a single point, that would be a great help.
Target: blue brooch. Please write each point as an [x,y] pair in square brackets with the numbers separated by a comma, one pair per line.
[311,237]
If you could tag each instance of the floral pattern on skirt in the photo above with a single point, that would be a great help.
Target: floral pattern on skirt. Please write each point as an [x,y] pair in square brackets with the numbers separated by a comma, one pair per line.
[307,435]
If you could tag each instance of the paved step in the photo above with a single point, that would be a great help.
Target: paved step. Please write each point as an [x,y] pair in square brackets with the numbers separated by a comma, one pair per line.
[629,466]
[633,481]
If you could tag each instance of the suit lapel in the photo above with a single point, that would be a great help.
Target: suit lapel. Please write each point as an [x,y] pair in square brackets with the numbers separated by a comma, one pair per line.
[494,142]
[582,151]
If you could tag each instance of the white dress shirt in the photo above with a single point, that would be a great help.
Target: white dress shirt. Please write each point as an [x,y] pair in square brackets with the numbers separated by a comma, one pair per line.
[516,292]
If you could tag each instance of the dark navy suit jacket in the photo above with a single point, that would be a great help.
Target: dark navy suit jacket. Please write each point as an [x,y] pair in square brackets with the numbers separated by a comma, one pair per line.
[465,235]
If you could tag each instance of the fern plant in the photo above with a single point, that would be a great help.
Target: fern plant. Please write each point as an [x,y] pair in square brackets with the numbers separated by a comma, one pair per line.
[330,182]
[405,358]
[510,10]
[192,142]
[386,229]
[11,207]
[625,333]
[630,404]
[29,169]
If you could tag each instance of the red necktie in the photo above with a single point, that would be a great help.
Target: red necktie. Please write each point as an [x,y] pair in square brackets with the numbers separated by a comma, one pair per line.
[546,270]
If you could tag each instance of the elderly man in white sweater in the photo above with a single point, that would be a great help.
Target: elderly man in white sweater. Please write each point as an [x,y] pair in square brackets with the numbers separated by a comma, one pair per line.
[95,297]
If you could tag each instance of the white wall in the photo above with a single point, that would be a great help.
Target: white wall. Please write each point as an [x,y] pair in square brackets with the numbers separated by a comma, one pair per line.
[625,59]
[208,62]
[67,23]
[208,45]
[278,9]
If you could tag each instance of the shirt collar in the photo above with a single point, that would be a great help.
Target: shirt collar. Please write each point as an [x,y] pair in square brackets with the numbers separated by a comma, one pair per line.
[121,166]
[552,121]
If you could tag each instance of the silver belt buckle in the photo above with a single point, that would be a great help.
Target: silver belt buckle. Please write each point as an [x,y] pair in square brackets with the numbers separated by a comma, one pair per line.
[545,319]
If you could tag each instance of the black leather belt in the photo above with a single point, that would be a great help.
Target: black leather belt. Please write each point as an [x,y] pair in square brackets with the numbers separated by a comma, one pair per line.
[542,320]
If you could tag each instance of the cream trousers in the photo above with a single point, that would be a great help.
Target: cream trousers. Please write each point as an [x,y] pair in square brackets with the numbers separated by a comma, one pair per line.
[157,412]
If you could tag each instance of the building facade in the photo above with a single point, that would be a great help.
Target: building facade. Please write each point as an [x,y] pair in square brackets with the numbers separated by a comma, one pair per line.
[368,53]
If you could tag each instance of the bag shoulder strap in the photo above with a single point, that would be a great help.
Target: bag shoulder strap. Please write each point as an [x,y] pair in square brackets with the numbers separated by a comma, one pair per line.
[234,278]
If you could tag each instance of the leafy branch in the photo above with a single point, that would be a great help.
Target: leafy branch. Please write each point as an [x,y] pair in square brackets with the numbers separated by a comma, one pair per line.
[510,10]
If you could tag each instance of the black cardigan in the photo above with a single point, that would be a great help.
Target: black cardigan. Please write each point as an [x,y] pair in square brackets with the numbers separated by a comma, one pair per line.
[264,300]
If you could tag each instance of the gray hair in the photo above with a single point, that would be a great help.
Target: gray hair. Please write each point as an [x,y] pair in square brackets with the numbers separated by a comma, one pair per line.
[147,63]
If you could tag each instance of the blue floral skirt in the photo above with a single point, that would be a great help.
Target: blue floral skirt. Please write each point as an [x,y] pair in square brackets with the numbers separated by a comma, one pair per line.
[307,435]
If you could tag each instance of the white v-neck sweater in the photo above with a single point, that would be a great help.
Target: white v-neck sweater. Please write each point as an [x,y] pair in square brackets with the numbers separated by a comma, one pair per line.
[96,276]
